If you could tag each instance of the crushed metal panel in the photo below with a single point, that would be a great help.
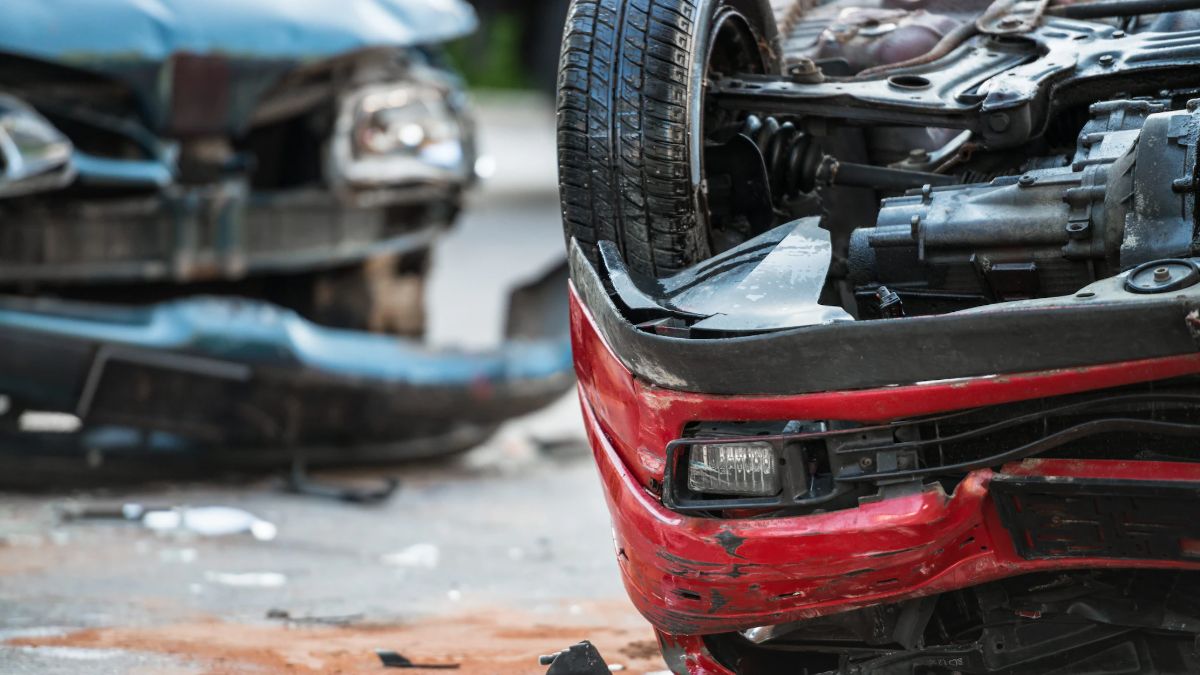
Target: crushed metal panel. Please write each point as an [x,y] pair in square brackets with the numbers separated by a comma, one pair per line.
[153,30]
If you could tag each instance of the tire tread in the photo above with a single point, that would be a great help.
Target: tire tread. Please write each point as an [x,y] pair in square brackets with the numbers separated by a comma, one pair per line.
[622,131]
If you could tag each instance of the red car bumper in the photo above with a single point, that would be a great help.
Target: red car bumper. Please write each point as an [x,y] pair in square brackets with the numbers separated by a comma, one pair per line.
[694,576]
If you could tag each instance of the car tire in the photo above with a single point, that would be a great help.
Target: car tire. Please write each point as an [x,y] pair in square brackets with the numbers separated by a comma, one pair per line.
[631,120]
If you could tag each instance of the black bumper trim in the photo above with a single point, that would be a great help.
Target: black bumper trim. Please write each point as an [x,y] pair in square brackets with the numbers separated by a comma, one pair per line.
[871,354]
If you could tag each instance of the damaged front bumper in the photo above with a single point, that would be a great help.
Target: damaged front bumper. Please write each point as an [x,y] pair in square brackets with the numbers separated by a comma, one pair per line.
[245,382]
[755,568]
[215,233]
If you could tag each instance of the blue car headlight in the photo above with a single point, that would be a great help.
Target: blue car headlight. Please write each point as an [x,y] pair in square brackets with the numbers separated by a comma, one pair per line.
[390,134]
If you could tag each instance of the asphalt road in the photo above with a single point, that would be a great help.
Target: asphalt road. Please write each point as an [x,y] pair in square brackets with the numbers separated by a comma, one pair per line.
[486,561]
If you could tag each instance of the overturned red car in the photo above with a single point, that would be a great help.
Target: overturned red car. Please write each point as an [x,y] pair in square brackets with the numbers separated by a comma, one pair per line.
[886,317]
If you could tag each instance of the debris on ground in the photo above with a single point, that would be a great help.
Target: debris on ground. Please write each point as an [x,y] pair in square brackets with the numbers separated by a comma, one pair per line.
[298,482]
[423,555]
[391,659]
[206,521]
[579,659]
[247,579]
[504,639]
[185,556]
[336,620]
[210,521]
[105,512]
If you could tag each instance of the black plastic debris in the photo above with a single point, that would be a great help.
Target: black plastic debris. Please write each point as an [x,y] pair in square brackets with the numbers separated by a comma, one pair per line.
[580,659]
[391,659]
[339,620]
[300,483]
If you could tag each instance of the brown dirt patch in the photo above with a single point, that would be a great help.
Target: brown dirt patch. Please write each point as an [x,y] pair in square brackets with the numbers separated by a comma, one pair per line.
[484,642]
[641,649]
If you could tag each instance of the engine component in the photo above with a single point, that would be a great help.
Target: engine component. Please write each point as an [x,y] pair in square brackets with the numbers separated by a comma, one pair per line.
[790,155]
[1026,78]
[1124,199]
[789,163]
[1161,276]
[862,37]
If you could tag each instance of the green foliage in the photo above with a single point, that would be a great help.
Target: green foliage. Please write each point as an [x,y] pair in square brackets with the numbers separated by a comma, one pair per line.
[490,59]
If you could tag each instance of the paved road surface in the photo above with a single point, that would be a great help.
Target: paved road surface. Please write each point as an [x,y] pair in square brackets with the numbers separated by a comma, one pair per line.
[486,561]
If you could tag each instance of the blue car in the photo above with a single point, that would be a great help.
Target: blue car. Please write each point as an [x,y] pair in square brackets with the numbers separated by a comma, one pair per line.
[215,223]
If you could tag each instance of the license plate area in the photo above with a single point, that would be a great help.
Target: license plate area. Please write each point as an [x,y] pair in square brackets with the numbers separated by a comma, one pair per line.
[1100,518]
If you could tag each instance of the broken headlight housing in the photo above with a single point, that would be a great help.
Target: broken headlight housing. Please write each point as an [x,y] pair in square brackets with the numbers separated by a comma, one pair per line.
[34,155]
[409,132]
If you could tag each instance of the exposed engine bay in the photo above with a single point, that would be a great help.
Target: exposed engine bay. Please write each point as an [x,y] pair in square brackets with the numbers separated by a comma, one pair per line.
[925,158]
[883,311]
[979,167]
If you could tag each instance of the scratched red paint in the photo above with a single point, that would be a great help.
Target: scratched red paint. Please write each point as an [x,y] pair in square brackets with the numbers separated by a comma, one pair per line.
[695,576]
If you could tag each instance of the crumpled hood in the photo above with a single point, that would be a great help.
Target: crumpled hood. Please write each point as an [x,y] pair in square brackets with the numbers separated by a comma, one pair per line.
[91,32]
[202,66]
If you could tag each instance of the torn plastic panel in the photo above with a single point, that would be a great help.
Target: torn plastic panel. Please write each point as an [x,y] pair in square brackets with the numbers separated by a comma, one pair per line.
[1080,330]
[218,376]
[770,282]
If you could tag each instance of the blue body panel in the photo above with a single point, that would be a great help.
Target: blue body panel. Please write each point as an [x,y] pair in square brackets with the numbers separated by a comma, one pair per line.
[245,46]
[258,333]
[88,32]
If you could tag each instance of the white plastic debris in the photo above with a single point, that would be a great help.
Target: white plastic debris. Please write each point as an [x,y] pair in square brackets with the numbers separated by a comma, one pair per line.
[48,422]
[247,579]
[418,555]
[185,556]
[73,653]
[210,521]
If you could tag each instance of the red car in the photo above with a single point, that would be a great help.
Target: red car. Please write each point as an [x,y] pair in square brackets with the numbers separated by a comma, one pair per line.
[886,318]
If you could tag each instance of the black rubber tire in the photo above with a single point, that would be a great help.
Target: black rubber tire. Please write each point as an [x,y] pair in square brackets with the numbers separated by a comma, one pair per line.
[628,79]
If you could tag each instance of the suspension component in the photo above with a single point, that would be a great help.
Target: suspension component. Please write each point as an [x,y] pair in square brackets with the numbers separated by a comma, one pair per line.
[795,164]
[791,156]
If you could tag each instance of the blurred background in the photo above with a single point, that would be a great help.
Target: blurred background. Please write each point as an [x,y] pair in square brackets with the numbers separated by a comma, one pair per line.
[284,371]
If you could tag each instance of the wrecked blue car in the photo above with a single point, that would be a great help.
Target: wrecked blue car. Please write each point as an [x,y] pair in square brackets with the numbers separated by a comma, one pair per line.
[215,223]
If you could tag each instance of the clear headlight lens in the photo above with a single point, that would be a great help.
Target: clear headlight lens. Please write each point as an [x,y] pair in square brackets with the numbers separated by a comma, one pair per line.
[742,469]
[409,121]
[404,132]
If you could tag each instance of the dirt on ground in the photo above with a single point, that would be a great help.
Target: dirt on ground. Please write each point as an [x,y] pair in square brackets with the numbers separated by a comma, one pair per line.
[489,642]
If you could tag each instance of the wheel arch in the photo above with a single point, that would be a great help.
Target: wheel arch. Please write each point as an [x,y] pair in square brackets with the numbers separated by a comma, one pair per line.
[760,13]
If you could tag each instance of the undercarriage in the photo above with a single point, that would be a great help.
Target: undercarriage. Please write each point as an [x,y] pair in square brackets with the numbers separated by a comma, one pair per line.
[1086,622]
[893,262]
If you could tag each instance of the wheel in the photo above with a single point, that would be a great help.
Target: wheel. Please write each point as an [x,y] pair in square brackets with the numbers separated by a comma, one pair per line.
[633,117]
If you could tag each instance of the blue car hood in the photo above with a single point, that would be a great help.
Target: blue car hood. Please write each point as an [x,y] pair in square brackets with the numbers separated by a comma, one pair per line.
[90,32]
[201,67]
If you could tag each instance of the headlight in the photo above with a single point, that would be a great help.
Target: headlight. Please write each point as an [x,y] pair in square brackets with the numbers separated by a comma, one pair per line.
[742,469]
[405,132]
